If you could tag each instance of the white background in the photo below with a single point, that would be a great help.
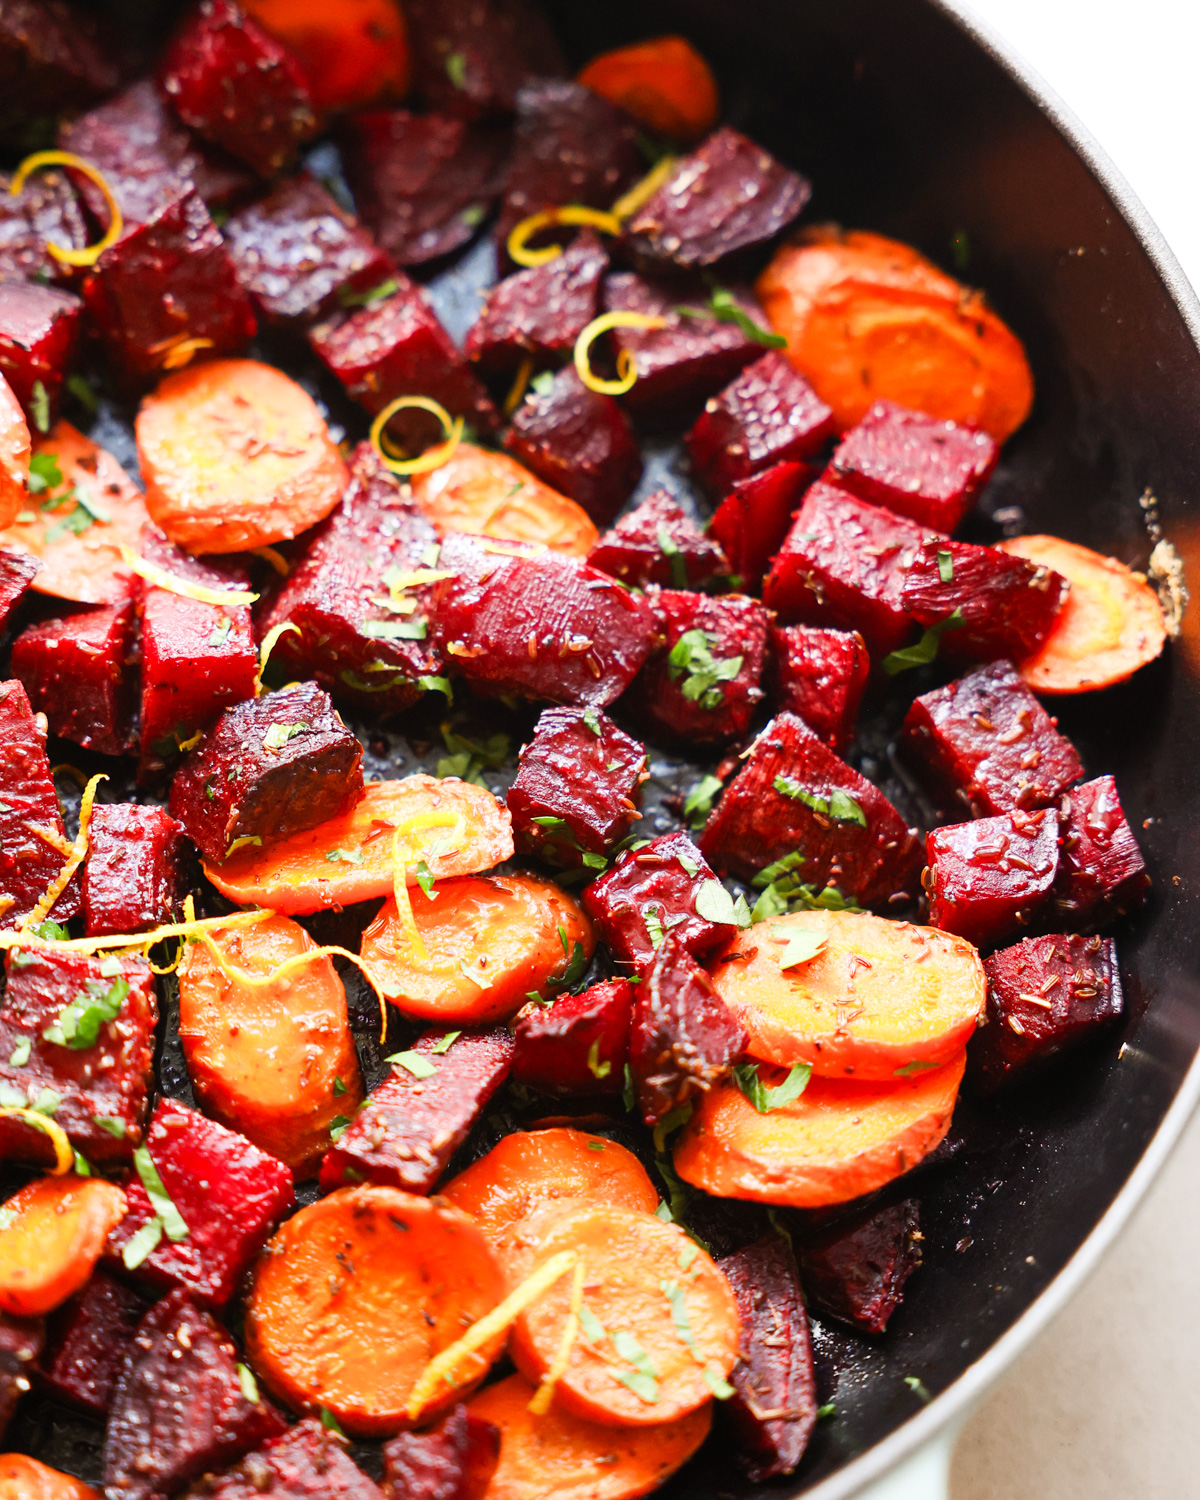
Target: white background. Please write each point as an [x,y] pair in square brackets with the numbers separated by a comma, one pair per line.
[1107,1405]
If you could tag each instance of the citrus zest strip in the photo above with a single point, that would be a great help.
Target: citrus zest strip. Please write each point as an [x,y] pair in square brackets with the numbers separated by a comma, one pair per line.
[64,1153]
[415,824]
[432,458]
[67,254]
[274,557]
[181,352]
[516,393]
[270,641]
[518,247]
[31,942]
[626,371]
[643,190]
[161,579]
[75,858]
[51,836]
[544,1395]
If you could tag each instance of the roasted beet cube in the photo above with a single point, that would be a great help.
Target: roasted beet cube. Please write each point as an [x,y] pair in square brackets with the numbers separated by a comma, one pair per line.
[18,569]
[76,672]
[1101,873]
[20,1343]
[297,248]
[844,564]
[988,879]
[307,1463]
[238,86]
[1044,995]
[179,1407]
[39,342]
[659,543]
[578,1044]
[856,1271]
[166,292]
[269,767]
[794,794]
[228,1193]
[774,1373]
[45,211]
[541,311]
[422,184]
[135,877]
[101,1015]
[918,466]
[454,1460]
[86,1341]
[29,859]
[578,790]
[819,675]
[538,624]
[410,1127]
[664,887]
[50,56]
[985,743]
[471,57]
[753,519]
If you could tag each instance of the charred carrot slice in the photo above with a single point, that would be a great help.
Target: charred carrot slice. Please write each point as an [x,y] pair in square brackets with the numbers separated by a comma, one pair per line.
[836,1142]
[852,995]
[23,1478]
[1111,625]
[664,82]
[447,826]
[54,1232]
[351,53]
[14,455]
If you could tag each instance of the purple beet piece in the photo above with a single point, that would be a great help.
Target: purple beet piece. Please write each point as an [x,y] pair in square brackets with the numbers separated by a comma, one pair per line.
[577,792]
[307,1463]
[18,569]
[774,1373]
[578,1044]
[700,685]
[819,675]
[578,441]
[409,1127]
[51,57]
[1101,872]
[44,211]
[1045,995]
[471,57]
[988,879]
[86,1342]
[539,312]
[658,542]
[753,519]
[985,743]
[76,671]
[20,1343]
[422,184]
[683,1038]
[856,1271]
[921,467]
[453,1460]
[536,624]
[792,795]
[40,329]
[28,861]
[768,415]
[665,887]
[179,1407]
[100,1069]
[135,875]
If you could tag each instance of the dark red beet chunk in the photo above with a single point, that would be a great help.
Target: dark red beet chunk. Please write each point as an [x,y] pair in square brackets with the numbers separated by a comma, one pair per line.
[45,210]
[683,1037]
[17,571]
[856,1271]
[578,790]
[228,1192]
[470,57]
[238,86]
[768,415]
[579,442]
[76,672]
[659,543]
[102,1068]
[539,625]
[918,466]
[1044,995]
[454,1460]
[269,767]
[20,1342]
[794,794]
[39,341]
[49,57]
[134,878]
[307,1463]
[681,365]
[579,1044]
[819,675]
[179,1408]
[988,879]
[409,1128]
[985,743]
[422,184]
[753,519]
[664,887]
[1101,872]
[775,1371]
[28,863]
[844,564]
[541,311]
[86,1340]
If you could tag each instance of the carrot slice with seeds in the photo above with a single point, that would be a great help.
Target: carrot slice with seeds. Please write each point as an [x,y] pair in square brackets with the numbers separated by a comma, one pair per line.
[54,1233]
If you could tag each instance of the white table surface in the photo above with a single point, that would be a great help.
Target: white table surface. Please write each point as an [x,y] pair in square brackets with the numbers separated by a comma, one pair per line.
[1105,1405]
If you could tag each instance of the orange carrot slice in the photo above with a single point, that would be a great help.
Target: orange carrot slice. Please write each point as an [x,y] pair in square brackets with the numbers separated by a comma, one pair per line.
[54,1232]
[23,1478]
[663,82]
[14,455]
[352,53]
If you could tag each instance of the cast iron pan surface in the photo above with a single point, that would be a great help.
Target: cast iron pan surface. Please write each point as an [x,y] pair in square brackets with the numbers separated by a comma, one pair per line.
[907,125]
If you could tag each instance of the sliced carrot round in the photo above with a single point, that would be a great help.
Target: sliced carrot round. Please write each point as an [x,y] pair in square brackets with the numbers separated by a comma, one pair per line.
[663,82]
[658,1326]
[54,1233]
[352,53]
[357,1293]
[571,1458]
[236,455]
[23,1478]
[836,1142]
[1111,625]
[452,827]
[876,1000]
[472,950]
[15,448]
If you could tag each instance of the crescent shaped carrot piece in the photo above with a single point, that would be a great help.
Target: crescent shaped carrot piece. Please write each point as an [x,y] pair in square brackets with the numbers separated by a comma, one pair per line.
[54,1233]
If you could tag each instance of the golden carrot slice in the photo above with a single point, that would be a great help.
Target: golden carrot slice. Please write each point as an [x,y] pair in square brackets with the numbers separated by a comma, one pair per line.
[54,1232]
[14,455]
